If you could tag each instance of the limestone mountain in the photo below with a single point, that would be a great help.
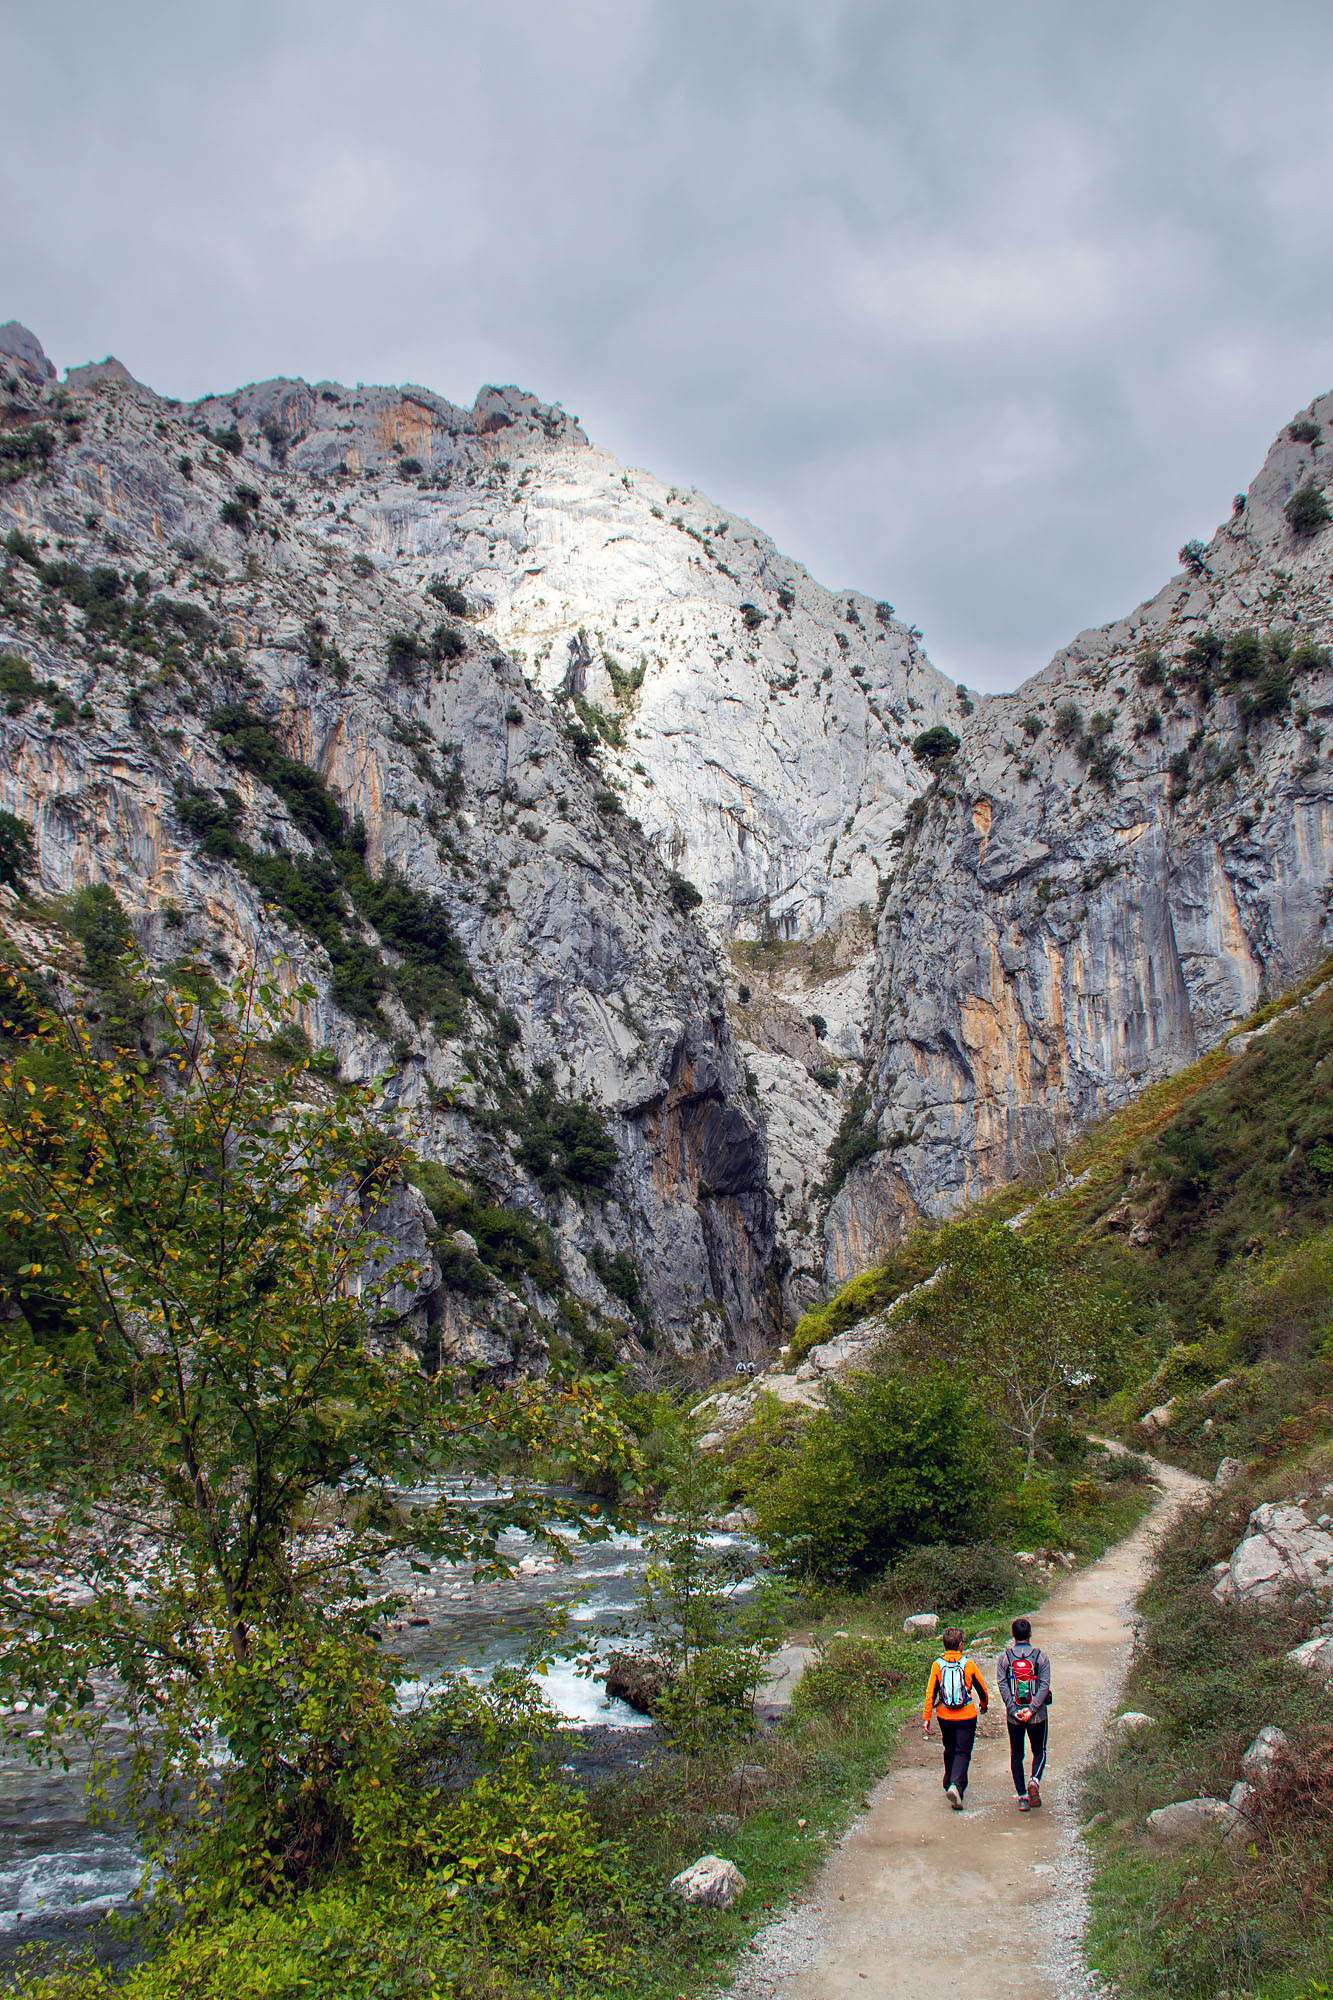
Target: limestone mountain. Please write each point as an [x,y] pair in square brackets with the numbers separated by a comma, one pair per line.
[595,818]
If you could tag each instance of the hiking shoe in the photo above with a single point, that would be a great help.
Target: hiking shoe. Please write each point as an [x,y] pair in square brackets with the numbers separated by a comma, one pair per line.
[954,1797]
[1024,1802]
[1034,1792]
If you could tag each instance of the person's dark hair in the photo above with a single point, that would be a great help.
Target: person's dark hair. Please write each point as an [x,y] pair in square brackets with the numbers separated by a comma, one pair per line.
[953,1639]
[1022,1630]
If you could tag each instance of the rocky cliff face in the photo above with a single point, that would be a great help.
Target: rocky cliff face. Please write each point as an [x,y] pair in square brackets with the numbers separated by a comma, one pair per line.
[1122,857]
[649,790]
[756,725]
[270,747]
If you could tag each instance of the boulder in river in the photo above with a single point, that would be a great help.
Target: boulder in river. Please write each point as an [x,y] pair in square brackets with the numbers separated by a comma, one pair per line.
[710,1883]
[639,1679]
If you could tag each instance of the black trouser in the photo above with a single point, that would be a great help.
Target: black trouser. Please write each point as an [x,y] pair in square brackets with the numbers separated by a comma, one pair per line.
[958,1738]
[1020,1735]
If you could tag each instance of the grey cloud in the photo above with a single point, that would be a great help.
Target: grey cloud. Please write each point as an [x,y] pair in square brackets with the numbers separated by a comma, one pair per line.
[981,309]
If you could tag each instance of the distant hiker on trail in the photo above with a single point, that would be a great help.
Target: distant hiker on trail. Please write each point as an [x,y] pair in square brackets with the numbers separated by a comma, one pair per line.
[1024,1679]
[952,1694]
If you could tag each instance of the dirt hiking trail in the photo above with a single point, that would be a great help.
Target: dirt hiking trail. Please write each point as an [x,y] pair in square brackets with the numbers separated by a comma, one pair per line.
[917,1901]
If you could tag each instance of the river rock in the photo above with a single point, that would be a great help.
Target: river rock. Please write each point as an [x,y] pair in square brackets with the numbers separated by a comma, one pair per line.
[1281,1551]
[710,1883]
[1192,1819]
[921,1624]
[639,1679]
[1228,1472]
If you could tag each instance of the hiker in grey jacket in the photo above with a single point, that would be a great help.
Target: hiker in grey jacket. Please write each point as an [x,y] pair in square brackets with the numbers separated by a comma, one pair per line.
[1024,1678]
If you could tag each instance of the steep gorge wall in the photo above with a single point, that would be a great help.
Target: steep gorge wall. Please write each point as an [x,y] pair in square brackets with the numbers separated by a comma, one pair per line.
[1082,908]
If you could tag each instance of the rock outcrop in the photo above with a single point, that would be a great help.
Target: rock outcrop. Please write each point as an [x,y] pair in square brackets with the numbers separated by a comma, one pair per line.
[1282,1553]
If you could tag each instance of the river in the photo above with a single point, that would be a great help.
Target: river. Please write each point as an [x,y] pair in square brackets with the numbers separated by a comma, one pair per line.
[58,1874]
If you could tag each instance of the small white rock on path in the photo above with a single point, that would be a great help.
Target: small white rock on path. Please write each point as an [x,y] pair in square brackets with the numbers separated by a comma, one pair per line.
[917,1901]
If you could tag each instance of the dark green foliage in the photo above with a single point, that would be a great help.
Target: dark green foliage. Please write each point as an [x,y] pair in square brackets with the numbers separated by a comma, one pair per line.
[510,1242]
[851,1674]
[1201,660]
[827,1079]
[229,440]
[410,467]
[322,654]
[250,741]
[23,451]
[405,652]
[1303,430]
[619,1276]
[1244,655]
[581,741]
[23,548]
[449,595]
[434,980]
[99,923]
[327,893]
[857,1139]
[1151,671]
[935,746]
[625,681]
[820,1026]
[682,893]
[1307,510]
[752,617]
[608,803]
[1068,724]
[235,514]
[565,1145]
[213,822]
[608,728]
[942,1578]
[1032,725]
[17,686]
[17,851]
[892,1462]
[1194,558]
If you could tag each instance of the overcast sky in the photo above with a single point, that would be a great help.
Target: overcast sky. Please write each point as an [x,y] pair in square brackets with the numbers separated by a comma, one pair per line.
[982,308]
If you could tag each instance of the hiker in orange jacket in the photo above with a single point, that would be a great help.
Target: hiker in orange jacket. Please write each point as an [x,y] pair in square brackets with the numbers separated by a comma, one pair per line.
[953,1694]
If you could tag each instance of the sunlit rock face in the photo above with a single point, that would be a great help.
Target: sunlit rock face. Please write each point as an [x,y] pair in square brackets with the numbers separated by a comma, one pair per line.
[1053,939]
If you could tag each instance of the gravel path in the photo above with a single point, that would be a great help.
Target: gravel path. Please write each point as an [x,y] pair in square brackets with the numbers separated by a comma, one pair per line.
[916,1899]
